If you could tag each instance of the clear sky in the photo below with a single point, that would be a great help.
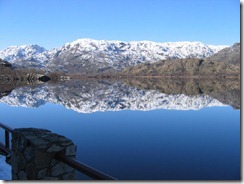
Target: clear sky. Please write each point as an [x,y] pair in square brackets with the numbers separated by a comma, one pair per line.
[51,23]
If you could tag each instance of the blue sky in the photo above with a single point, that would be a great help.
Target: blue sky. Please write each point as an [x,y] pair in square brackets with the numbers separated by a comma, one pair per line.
[51,23]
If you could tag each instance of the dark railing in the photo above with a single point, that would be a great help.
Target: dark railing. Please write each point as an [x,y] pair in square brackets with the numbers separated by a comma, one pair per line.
[6,148]
[83,168]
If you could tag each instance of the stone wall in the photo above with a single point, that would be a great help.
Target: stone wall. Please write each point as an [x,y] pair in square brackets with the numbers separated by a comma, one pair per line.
[33,155]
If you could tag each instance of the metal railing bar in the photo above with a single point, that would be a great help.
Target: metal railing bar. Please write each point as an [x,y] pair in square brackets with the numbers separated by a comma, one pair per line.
[5,127]
[7,151]
[7,139]
[83,168]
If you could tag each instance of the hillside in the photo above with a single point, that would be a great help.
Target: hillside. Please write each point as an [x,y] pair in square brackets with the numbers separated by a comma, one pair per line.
[10,74]
[230,55]
[6,68]
[224,63]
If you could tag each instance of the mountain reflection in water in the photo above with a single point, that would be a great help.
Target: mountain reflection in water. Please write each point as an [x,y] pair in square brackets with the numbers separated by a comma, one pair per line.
[88,96]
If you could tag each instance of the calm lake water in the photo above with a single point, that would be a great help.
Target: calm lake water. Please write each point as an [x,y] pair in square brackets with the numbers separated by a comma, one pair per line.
[138,131]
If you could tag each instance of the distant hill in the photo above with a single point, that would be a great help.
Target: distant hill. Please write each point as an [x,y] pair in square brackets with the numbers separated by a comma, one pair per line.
[224,63]
[230,55]
[5,68]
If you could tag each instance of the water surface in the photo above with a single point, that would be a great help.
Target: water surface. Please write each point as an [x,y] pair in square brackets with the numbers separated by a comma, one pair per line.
[138,131]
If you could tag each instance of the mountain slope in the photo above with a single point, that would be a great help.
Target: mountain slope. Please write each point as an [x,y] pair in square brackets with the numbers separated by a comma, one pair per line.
[226,62]
[229,55]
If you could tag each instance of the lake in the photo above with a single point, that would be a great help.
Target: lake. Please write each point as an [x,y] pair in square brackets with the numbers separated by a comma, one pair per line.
[135,129]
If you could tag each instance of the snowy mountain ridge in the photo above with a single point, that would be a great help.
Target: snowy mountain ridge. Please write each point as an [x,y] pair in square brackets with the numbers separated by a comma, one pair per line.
[100,54]
[26,55]
[16,53]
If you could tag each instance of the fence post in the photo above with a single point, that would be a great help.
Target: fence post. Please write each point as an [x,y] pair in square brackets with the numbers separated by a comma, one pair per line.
[7,139]
[33,155]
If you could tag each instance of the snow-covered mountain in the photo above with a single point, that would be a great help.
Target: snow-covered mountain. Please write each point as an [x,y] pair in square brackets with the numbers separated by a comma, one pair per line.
[86,55]
[88,97]
[27,55]
[24,52]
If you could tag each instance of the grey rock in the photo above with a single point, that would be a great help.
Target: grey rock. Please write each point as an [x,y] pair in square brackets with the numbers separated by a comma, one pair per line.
[67,143]
[28,154]
[52,138]
[53,162]
[18,162]
[40,142]
[64,139]
[21,143]
[70,150]
[22,175]
[41,174]
[42,159]
[60,168]
[30,171]
[14,176]
[54,148]
[69,176]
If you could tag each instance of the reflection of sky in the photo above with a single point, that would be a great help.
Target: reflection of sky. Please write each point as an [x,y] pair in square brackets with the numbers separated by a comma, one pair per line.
[5,169]
[159,144]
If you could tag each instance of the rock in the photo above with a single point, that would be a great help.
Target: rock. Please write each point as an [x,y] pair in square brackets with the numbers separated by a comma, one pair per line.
[30,171]
[41,174]
[54,148]
[70,150]
[40,142]
[44,78]
[28,154]
[22,175]
[42,159]
[20,143]
[51,138]
[18,162]
[60,168]
[14,176]
[69,176]
[53,162]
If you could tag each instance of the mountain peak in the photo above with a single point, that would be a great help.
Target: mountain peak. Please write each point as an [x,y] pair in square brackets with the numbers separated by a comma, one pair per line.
[31,46]
[82,40]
